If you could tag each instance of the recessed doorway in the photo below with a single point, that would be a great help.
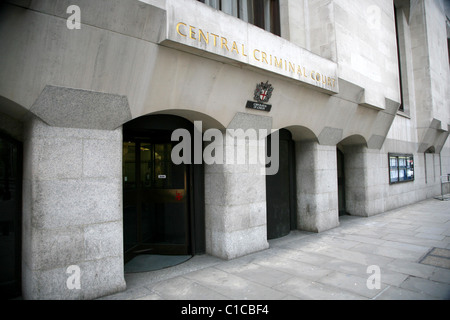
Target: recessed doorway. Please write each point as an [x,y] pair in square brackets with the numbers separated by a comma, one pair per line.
[281,189]
[10,217]
[341,182]
[163,202]
[155,198]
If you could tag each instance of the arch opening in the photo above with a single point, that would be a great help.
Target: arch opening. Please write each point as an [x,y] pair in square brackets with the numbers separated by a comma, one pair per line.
[350,159]
[281,189]
[163,202]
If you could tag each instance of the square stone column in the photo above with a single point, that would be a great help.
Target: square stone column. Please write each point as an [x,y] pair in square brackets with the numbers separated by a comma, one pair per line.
[72,212]
[366,172]
[317,187]
[235,194]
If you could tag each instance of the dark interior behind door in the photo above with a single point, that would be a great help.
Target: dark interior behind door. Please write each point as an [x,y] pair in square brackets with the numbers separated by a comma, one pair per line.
[156,201]
[280,189]
[10,216]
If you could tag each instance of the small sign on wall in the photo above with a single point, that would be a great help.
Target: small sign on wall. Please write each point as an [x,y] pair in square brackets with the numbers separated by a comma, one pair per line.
[258,106]
[262,94]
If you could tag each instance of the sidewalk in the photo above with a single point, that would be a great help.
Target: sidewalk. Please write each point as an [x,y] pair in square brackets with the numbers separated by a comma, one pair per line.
[328,265]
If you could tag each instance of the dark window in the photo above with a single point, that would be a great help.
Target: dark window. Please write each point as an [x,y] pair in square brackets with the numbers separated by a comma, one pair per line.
[448,48]
[261,13]
[402,106]
[401,168]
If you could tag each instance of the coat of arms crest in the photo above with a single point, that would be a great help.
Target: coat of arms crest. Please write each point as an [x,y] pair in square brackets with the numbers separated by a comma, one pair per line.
[263,92]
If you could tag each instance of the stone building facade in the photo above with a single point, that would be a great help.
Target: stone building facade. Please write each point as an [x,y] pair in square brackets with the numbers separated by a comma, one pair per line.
[91,91]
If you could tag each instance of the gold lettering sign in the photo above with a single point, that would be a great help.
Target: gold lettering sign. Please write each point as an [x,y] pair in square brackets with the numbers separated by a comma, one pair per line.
[262,58]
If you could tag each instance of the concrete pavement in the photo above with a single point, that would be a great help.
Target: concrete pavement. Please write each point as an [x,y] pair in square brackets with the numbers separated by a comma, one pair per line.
[409,247]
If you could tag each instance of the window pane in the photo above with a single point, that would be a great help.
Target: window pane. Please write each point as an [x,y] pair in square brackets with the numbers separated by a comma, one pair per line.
[402,174]
[267,15]
[246,10]
[275,27]
[410,169]
[128,167]
[230,7]
[146,165]
[398,37]
[402,168]
[258,14]
[213,3]
[163,165]
[393,164]
[394,175]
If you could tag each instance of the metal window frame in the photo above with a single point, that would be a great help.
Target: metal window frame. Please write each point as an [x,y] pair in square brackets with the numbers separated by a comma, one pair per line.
[397,155]
[261,10]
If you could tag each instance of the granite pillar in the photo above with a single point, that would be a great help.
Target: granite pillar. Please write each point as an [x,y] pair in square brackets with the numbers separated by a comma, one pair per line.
[317,189]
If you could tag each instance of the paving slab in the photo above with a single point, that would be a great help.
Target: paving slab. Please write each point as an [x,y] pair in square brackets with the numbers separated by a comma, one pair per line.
[365,258]
[411,268]
[352,283]
[257,274]
[311,290]
[441,275]
[406,246]
[181,288]
[390,251]
[362,239]
[387,276]
[396,293]
[295,268]
[429,287]
[232,286]
[308,257]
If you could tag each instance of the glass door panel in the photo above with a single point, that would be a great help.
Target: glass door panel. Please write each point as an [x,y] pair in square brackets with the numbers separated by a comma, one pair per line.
[146,167]
[159,201]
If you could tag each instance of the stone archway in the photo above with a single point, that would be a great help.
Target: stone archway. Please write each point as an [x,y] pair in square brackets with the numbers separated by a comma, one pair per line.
[362,195]
[316,177]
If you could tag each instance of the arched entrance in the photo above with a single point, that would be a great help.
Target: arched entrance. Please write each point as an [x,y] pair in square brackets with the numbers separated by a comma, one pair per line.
[280,189]
[163,202]
[10,216]
[352,158]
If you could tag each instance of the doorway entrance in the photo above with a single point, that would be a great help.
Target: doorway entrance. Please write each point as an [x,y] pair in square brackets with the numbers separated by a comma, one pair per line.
[341,182]
[10,216]
[155,199]
[163,202]
[280,189]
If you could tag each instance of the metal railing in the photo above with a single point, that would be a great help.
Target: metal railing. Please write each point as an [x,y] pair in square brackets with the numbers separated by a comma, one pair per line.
[444,195]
